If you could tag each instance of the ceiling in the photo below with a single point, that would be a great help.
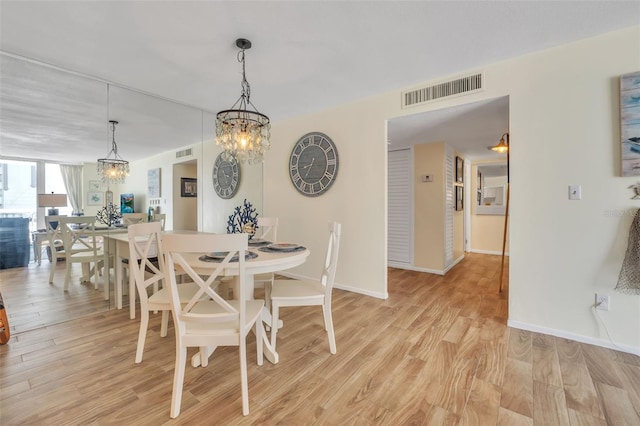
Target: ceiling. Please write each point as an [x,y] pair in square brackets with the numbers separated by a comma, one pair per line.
[306,56]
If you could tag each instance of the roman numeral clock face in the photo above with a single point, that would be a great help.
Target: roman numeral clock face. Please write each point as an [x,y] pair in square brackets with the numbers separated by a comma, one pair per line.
[226,176]
[313,165]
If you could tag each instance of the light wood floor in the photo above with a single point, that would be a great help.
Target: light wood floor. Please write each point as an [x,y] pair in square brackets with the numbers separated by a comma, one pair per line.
[437,352]
[34,303]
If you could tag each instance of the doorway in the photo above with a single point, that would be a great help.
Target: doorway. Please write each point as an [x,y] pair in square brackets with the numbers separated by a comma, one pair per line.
[468,130]
[185,196]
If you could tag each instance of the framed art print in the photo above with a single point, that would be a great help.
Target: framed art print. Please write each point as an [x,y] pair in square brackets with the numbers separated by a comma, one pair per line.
[188,187]
[459,169]
[630,123]
[153,183]
[95,198]
[459,196]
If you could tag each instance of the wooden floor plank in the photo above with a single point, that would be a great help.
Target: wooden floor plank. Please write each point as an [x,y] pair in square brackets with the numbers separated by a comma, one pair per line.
[436,352]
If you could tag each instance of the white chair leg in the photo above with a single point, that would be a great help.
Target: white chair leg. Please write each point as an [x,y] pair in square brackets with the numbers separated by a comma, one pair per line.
[96,275]
[132,296]
[142,335]
[204,356]
[328,325]
[67,276]
[260,336]
[164,325]
[267,293]
[178,380]
[275,311]
[54,262]
[243,376]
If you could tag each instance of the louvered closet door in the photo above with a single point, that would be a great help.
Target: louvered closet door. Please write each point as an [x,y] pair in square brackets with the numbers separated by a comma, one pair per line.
[400,201]
[449,205]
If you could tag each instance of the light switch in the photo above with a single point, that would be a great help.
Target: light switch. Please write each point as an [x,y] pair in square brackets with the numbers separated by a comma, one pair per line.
[427,178]
[575,192]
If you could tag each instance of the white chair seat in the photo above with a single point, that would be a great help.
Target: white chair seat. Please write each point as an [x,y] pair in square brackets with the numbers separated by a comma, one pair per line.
[81,245]
[214,322]
[161,297]
[253,311]
[294,289]
[146,272]
[288,293]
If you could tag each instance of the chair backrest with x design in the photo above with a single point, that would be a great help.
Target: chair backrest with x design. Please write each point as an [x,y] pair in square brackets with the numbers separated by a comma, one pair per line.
[133,218]
[145,243]
[328,276]
[269,228]
[214,322]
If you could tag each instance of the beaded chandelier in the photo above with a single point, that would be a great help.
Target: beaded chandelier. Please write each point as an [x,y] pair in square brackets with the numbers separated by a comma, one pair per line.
[243,133]
[113,169]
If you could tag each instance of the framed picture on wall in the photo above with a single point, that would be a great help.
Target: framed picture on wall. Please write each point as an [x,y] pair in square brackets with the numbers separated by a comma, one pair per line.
[459,169]
[630,123]
[188,187]
[153,183]
[459,196]
[95,198]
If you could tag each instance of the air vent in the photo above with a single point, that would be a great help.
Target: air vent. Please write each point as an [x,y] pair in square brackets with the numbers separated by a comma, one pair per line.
[184,153]
[459,86]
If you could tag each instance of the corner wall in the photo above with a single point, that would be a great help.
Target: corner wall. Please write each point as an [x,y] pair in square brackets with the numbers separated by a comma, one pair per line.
[564,127]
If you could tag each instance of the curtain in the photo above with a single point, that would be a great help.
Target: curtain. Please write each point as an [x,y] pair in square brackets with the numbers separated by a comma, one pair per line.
[72,178]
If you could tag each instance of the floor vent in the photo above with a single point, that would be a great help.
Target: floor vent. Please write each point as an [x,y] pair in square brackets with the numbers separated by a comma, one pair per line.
[459,86]
[184,153]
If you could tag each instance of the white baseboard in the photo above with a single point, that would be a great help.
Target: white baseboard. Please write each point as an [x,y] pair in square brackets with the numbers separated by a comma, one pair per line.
[572,336]
[419,269]
[414,268]
[497,253]
[377,295]
[455,262]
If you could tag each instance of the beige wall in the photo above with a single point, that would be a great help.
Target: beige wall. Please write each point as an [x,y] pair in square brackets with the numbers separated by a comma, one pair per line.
[564,127]
[185,209]
[428,205]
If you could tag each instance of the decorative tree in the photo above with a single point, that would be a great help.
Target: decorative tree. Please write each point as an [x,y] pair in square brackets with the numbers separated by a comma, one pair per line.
[109,214]
[244,219]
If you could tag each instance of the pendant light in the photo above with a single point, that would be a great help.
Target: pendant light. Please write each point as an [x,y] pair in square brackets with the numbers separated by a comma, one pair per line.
[242,131]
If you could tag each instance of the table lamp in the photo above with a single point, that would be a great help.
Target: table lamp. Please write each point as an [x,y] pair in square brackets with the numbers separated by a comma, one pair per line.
[52,201]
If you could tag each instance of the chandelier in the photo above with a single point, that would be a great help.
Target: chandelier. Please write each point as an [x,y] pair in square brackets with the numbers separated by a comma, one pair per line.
[243,133]
[113,169]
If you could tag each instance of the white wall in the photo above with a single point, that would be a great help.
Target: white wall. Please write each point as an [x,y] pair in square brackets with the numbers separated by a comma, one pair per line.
[564,127]
[213,211]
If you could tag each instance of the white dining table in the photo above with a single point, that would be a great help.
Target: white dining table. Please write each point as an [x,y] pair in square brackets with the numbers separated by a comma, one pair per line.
[265,262]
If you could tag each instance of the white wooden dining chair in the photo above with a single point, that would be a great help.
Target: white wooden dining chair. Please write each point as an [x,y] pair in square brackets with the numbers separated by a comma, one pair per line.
[81,246]
[54,241]
[214,322]
[160,217]
[287,293]
[133,218]
[146,274]
[269,232]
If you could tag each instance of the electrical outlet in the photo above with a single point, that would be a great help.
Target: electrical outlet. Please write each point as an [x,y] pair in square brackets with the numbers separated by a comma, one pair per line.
[602,302]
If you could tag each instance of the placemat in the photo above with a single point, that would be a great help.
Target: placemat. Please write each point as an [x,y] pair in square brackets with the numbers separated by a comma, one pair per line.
[293,250]
[248,255]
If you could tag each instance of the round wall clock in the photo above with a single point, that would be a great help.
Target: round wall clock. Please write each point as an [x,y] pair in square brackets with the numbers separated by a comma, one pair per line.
[226,176]
[313,165]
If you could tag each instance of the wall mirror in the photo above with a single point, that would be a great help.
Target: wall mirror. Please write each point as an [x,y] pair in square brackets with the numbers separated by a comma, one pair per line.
[491,189]
[53,105]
